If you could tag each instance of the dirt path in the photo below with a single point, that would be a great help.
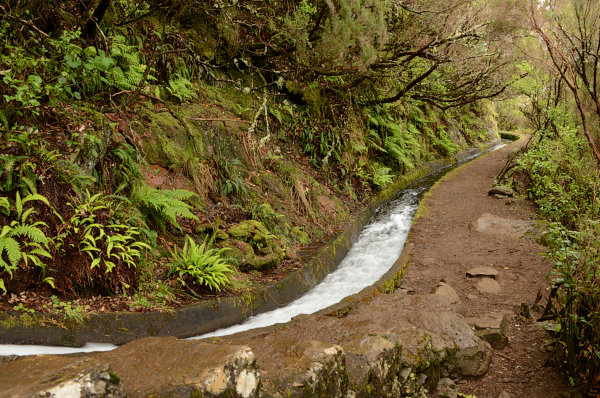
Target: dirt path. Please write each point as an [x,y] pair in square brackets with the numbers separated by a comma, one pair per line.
[447,243]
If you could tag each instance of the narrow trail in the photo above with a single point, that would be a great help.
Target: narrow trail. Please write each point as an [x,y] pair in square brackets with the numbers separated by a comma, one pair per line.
[454,234]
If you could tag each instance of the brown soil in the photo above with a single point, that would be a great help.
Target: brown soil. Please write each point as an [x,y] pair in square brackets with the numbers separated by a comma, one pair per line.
[446,245]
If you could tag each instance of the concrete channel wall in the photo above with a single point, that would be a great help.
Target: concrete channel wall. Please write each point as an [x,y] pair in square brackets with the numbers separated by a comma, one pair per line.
[122,327]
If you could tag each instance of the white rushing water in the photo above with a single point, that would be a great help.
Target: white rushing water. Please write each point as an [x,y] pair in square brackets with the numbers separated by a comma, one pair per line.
[377,248]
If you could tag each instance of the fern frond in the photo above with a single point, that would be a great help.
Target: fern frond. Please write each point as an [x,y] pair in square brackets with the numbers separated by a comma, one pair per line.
[4,205]
[32,233]
[12,249]
[164,205]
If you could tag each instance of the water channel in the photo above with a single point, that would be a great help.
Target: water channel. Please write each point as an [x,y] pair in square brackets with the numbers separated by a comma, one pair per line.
[375,251]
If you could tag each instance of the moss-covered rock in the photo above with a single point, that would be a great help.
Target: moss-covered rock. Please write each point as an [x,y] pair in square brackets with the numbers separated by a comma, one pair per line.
[246,257]
[300,236]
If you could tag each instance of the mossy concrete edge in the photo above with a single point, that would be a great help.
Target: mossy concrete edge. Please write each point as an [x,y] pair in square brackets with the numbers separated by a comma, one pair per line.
[122,327]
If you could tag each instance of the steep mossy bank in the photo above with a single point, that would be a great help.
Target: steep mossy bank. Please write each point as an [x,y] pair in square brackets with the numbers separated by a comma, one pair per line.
[122,143]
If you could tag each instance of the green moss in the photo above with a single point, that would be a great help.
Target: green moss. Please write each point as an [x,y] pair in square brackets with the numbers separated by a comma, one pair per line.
[395,281]
[300,236]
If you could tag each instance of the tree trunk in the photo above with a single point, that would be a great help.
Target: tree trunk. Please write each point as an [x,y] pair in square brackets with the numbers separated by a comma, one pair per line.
[91,26]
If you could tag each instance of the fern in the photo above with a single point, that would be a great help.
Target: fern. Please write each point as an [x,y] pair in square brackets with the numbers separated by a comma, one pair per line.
[181,87]
[129,72]
[202,265]
[381,176]
[21,240]
[164,206]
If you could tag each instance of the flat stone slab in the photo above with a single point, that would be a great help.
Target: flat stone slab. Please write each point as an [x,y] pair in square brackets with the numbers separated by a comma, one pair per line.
[491,328]
[483,271]
[506,227]
[492,320]
[488,285]
[501,190]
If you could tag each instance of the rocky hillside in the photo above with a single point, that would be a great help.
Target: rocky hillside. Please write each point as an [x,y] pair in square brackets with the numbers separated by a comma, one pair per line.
[160,152]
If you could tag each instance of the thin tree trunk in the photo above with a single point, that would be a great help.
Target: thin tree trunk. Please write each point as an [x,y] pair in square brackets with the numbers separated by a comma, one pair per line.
[91,26]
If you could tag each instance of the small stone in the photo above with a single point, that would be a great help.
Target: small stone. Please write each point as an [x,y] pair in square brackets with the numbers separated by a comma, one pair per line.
[472,296]
[405,373]
[483,271]
[549,327]
[496,337]
[492,320]
[444,289]
[488,285]
[501,191]
[504,394]
[446,388]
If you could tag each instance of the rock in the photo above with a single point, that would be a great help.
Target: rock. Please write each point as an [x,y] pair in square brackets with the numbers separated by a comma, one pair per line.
[488,285]
[300,236]
[318,370]
[444,289]
[54,376]
[501,191]
[179,368]
[495,337]
[483,271]
[248,230]
[261,250]
[474,360]
[376,367]
[490,224]
[246,257]
[220,234]
[446,388]
[504,394]
[547,326]
[492,320]
[491,328]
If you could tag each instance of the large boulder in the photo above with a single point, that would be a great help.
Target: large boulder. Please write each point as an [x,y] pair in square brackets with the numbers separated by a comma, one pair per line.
[54,376]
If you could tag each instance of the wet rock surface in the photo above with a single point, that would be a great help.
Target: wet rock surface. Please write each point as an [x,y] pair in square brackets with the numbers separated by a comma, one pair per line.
[54,376]
[387,345]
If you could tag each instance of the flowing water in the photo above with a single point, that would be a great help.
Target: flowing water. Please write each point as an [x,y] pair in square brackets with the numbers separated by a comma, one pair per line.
[377,248]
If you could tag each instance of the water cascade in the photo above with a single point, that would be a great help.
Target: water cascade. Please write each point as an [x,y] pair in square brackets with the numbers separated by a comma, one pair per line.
[377,248]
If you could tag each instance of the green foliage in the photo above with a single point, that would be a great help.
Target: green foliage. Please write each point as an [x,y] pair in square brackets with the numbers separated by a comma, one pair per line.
[398,145]
[576,277]
[200,265]
[23,241]
[562,182]
[163,206]
[106,243]
[181,87]
[72,313]
[264,213]
[350,36]
[229,182]
[381,176]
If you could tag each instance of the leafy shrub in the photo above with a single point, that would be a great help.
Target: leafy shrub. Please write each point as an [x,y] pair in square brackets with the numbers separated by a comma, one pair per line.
[200,265]
[576,279]
[96,229]
[562,178]
[561,181]
[22,241]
